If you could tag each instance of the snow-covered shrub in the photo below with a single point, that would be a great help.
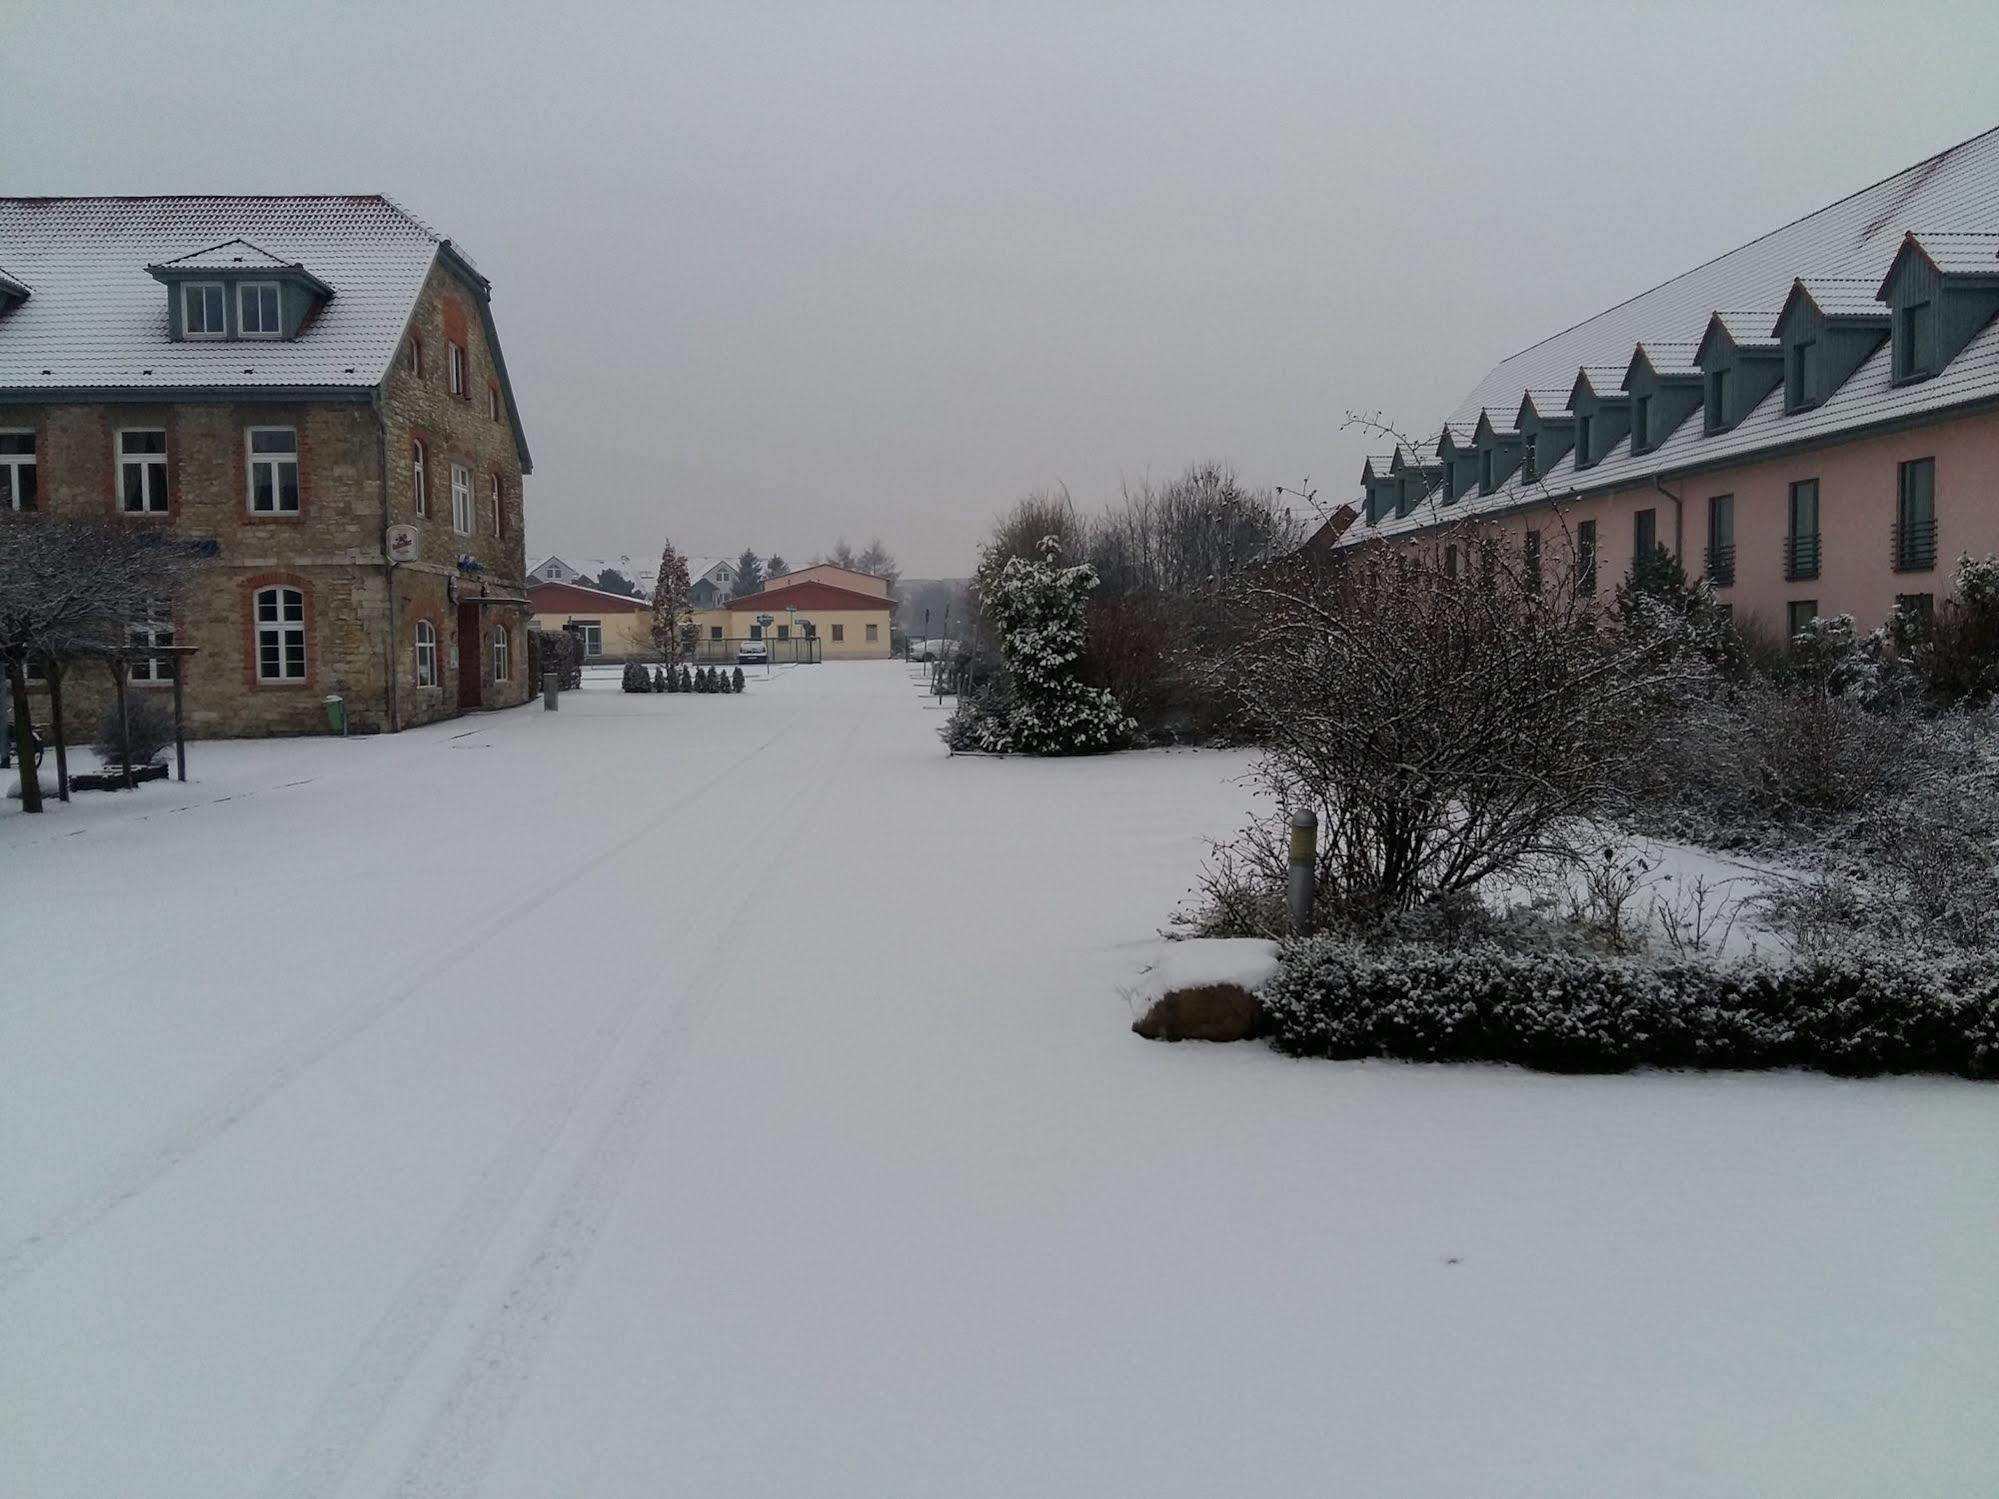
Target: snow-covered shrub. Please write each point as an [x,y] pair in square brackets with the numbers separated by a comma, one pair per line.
[736,680]
[672,683]
[636,678]
[658,680]
[151,730]
[1038,609]
[559,651]
[1954,650]
[686,679]
[1854,1011]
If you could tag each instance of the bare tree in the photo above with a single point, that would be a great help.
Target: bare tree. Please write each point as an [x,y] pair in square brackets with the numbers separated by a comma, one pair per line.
[877,559]
[1448,723]
[69,589]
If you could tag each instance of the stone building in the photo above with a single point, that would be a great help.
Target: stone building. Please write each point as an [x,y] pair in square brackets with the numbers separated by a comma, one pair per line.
[312,390]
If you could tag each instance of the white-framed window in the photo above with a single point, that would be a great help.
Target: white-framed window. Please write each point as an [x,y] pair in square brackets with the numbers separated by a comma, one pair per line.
[257,310]
[154,627]
[592,631]
[280,635]
[420,476]
[413,356]
[142,471]
[500,643]
[426,653]
[461,499]
[17,471]
[499,507]
[273,464]
[201,310]
[454,357]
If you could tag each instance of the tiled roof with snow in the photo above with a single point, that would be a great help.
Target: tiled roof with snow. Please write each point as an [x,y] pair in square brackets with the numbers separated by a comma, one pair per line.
[1841,252]
[97,318]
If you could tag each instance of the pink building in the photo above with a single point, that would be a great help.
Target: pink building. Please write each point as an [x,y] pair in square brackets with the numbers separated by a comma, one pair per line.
[1811,421]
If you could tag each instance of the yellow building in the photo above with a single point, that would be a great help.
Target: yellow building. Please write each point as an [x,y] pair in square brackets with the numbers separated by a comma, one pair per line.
[848,624]
[613,626]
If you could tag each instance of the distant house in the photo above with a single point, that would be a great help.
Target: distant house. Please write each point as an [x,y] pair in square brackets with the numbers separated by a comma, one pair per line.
[839,577]
[849,623]
[612,625]
[711,580]
[554,570]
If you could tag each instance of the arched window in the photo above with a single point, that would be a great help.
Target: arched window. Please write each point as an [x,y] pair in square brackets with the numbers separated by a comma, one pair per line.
[280,614]
[426,653]
[493,402]
[419,477]
[499,514]
[500,672]
[416,356]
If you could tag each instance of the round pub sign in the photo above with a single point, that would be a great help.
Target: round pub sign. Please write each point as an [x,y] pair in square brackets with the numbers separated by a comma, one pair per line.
[402,543]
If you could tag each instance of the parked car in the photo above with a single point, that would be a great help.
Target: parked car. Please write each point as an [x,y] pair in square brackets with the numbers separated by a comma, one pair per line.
[752,653]
[932,650]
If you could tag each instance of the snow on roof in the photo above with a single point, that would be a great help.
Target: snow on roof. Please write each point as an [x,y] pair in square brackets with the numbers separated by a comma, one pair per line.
[1844,296]
[231,254]
[1755,329]
[1841,253]
[98,319]
[1961,253]
[1871,394]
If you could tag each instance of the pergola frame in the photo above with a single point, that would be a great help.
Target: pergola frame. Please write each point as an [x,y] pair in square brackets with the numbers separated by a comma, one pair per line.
[118,658]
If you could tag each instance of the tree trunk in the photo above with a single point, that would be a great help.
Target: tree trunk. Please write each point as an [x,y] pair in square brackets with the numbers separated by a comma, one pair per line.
[55,725]
[24,742]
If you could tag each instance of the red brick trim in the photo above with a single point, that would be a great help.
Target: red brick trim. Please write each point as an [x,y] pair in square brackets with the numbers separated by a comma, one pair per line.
[246,590]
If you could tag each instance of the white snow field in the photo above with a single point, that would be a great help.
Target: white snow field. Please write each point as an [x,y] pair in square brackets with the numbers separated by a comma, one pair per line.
[688,1095]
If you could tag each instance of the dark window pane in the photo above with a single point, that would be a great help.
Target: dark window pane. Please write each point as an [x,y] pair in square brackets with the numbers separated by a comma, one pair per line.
[274,440]
[17,442]
[288,486]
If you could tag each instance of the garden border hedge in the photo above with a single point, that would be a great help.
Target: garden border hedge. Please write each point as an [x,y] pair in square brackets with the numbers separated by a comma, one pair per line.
[1854,1013]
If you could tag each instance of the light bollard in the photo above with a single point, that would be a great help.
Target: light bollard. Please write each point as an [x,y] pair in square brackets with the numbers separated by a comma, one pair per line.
[551,686]
[1304,868]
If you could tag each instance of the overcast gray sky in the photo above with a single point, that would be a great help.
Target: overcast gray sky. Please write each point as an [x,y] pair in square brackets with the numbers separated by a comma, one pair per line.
[767,275]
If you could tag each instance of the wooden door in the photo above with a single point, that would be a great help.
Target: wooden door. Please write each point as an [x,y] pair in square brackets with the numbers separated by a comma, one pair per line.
[469,674]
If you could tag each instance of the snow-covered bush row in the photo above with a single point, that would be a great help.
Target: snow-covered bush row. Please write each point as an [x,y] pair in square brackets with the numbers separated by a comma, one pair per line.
[1855,1011]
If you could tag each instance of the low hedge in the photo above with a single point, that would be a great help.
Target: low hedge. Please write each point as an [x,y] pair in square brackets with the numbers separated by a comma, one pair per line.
[1855,1013]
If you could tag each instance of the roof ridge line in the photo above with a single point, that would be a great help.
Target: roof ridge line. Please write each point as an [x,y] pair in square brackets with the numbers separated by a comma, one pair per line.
[1913,166]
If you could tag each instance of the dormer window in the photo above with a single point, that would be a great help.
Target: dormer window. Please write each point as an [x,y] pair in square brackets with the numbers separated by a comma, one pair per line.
[1641,424]
[1912,324]
[1585,424]
[1715,417]
[1485,484]
[237,290]
[257,310]
[1529,471]
[1797,374]
[201,310]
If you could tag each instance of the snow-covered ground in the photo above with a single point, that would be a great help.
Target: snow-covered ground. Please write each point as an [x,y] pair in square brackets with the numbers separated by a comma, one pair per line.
[735,1096]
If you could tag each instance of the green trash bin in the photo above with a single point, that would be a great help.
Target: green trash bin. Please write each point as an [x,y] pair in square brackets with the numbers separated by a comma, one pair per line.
[336,713]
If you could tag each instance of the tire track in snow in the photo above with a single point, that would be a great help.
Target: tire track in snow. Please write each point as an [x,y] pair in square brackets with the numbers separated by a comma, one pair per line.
[320,1459]
[138,1171]
[465,1433]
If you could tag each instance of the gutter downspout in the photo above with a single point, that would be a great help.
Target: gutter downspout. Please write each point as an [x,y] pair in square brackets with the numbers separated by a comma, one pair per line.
[388,563]
[1679,521]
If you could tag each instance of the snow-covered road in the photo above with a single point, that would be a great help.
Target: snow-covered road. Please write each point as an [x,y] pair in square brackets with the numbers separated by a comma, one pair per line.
[732,1097]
